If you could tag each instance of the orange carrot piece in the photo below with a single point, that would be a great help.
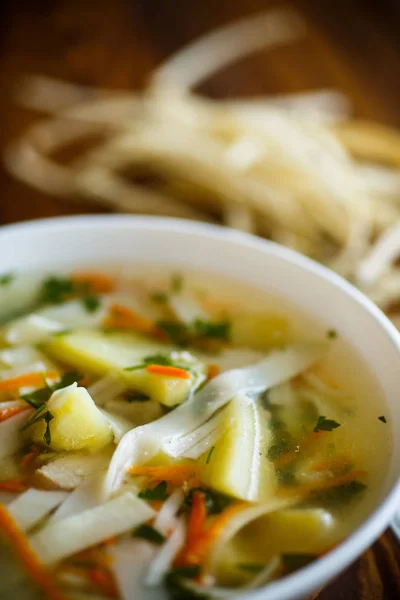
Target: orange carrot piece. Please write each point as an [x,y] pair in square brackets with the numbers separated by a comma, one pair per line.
[6,413]
[28,558]
[339,463]
[96,282]
[104,581]
[175,474]
[29,458]
[12,485]
[122,317]
[168,371]
[195,554]
[213,371]
[28,379]
[156,504]
[197,519]
[95,556]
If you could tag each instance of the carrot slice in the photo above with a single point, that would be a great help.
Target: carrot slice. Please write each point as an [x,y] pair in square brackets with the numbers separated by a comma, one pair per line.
[6,413]
[195,552]
[168,371]
[29,458]
[197,518]
[28,558]
[103,580]
[213,371]
[26,380]
[12,485]
[96,282]
[175,474]
[122,317]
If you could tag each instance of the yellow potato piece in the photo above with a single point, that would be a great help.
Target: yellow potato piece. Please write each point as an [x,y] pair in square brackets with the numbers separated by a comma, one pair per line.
[260,331]
[238,465]
[77,424]
[99,353]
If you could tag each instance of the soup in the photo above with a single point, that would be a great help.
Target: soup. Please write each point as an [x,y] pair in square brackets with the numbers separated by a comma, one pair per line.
[175,432]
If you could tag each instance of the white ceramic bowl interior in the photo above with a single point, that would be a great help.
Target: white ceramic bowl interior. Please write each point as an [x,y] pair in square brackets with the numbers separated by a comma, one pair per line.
[68,242]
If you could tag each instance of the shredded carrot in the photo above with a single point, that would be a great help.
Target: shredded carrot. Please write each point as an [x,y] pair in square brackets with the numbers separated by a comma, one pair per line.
[197,519]
[103,580]
[95,556]
[175,474]
[337,464]
[320,372]
[122,317]
[168,371]
[96,282]
[109,541]
[213,371]
[12,485]
[26,380]
[29,458]
[28,558]
[6,413]
[288,457]
[197,550]
[155,504]
[326,484]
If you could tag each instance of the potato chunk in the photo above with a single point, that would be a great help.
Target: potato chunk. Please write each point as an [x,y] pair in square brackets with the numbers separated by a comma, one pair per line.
[77,424]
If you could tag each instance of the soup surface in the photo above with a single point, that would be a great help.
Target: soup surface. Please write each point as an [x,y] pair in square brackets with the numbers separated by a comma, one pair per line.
[175,434]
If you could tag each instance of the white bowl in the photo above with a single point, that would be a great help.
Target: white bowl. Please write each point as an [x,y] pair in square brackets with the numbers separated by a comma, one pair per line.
[67,242]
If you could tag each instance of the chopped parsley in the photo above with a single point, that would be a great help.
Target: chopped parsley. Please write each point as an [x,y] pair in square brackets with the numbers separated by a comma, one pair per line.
[324,424]
[156,359]
[177,332]
[342,494]
[332,334]
[132,396]
[6,278]
[41,414]
[383,419]
[187,572]
[147,532]
[56,289]
[62,332]
[250,567]
[215,502]
[176,283]
[212,329]
[159,492]
[209,455]
[159,297]
[293,562]
[91,303]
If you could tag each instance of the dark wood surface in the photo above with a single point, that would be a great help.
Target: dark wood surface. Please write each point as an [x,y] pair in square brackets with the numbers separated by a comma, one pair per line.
[352,45]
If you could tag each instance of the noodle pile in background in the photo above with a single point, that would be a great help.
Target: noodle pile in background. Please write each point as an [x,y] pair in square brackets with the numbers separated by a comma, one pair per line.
[296,169]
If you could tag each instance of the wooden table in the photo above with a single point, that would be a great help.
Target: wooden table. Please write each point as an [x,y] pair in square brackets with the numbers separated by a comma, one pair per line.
[352,45]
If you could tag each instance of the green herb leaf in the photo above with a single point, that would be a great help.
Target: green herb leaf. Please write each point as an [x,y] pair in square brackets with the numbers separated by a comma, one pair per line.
[47,417]
[176,283]
[62,332]
[42,395]
[324,424]
[159,297]
[176,331]
[91,303]
[215,503]
[250,567]
[132,396]
[147,532]
[6,278]
[157,493]
[212,329]
[383,419]
[56,289]
[342,494]
[293,562]
[187,572]
[209,455]
[332,334]
[135,367]
[37,416]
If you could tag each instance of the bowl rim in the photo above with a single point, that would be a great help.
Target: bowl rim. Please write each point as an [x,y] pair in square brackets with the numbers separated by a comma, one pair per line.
[320,572]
